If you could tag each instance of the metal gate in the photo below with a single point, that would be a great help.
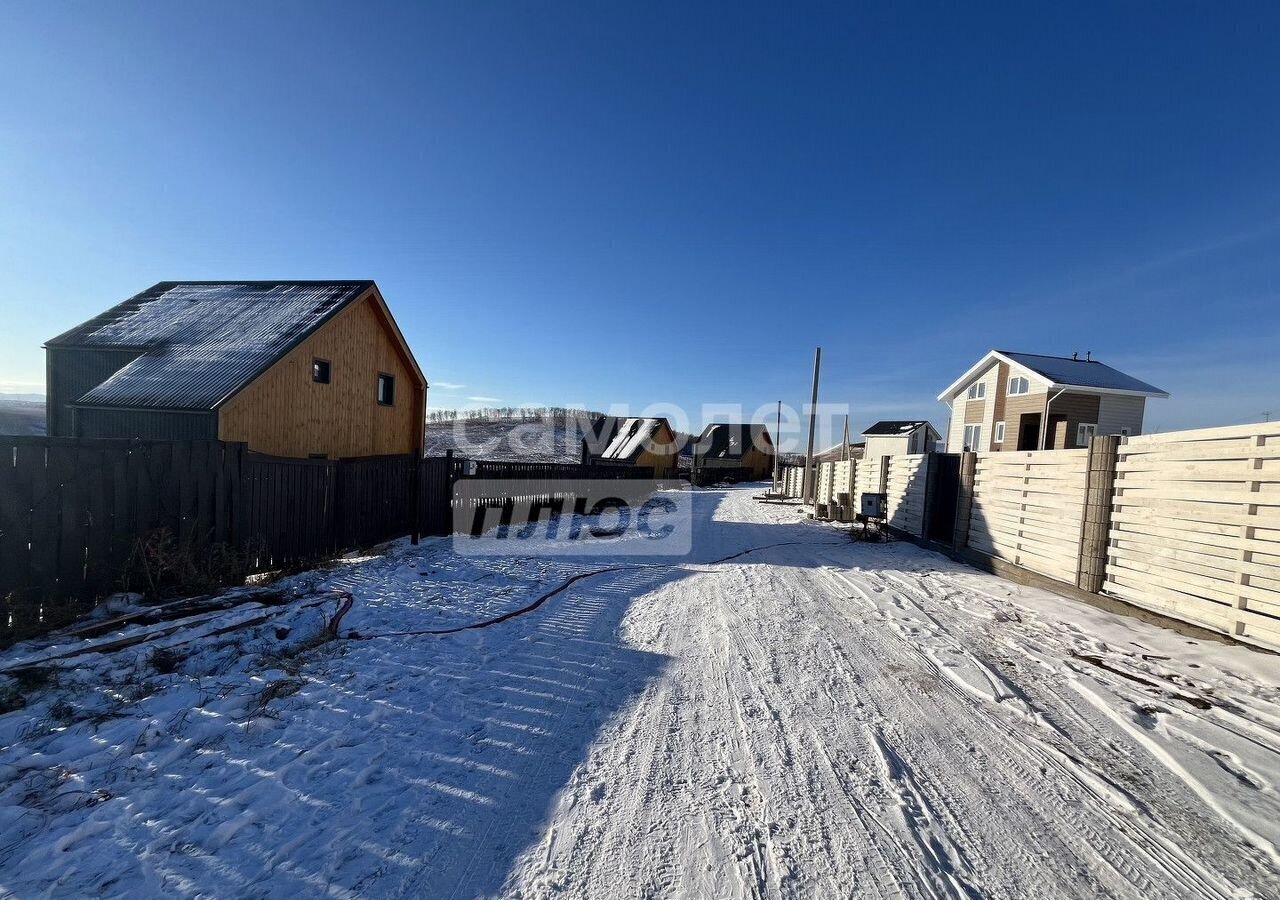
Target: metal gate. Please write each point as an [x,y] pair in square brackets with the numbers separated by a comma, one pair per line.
[944,488]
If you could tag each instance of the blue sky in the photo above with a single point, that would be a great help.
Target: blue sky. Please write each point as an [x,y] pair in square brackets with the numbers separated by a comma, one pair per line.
[657,203]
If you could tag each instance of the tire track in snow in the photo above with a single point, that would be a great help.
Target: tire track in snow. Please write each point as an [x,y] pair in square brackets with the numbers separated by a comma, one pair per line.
[1117,805]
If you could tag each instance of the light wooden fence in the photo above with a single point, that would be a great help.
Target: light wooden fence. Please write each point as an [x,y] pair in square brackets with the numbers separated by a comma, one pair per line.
[1195,528]
[825,487]
[1027,508]
[842,481]
[792,481]
[866,479]
[908,487]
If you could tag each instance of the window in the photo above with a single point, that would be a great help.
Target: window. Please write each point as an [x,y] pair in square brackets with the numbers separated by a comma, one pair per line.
[977,390]
[320,371]
[1018,386]
[1084,431]
[386,389]
[972,437]
[999,436]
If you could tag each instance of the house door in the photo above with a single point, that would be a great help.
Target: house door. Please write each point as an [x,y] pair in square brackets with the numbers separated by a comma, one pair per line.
[1029,431]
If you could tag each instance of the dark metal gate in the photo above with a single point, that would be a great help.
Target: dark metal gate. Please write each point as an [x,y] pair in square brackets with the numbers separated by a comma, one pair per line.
[943,489]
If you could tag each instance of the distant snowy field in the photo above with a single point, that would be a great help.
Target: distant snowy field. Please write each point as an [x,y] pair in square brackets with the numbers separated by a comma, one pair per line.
[557,440]
[19,414]
[783,713]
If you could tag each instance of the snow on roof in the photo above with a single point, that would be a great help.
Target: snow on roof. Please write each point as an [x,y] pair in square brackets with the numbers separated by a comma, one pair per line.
[630,437]
[895,427]
[200,342]
[732,441]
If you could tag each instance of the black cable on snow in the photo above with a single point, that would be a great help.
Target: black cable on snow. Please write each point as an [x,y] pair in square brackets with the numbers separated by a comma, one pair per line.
[564,585]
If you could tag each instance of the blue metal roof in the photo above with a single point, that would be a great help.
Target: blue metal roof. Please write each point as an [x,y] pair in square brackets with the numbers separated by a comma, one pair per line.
[1084,373]
[199,342]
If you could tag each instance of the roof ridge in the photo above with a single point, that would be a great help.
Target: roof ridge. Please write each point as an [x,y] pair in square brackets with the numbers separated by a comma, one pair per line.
[1049,356]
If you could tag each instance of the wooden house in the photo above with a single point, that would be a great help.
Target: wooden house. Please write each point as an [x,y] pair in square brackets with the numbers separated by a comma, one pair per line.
[735,446]
[1025,401]
[648,442]
[292,368]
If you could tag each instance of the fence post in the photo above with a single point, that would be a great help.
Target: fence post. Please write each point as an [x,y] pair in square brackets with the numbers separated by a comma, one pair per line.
[1248,532]
[417,496]
[1095,526]
[964,499]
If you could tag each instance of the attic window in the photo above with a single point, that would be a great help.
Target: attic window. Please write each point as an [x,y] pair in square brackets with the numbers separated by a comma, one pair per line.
[386,389]
[1019,385]
[320,371]
[978,390]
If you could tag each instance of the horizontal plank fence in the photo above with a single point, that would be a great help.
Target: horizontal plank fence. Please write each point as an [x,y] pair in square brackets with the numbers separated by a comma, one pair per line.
[80,519]
[1195,528]
[866,479]
[1185,524]
[907,493]
[1028,507]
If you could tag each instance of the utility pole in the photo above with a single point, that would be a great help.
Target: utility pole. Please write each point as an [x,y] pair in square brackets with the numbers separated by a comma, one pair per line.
[777,453]
[809,492]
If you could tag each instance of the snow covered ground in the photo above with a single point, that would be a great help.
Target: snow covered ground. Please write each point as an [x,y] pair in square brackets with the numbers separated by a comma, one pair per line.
[783,714]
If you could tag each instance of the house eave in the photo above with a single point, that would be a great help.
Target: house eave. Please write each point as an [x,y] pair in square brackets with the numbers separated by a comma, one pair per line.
[950,393]
[1118,392]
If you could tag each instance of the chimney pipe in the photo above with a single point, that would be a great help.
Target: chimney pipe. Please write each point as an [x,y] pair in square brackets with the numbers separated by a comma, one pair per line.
[1075,354]
[1088,356]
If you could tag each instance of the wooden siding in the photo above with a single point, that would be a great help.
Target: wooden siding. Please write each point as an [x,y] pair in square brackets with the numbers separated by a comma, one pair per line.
[1116,413]
[997,408]
[285,413]
[1014,409]
[1065,413]
[664,456]
[1028,507]
[1195,528]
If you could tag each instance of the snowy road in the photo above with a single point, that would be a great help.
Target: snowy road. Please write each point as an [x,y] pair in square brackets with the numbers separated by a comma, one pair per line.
[810,718]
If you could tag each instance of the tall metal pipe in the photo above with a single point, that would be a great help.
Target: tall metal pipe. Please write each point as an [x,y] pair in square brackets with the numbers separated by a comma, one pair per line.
[809,492]
[777,453]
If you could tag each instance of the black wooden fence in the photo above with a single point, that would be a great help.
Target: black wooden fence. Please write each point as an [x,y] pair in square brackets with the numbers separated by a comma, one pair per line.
[79,518]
